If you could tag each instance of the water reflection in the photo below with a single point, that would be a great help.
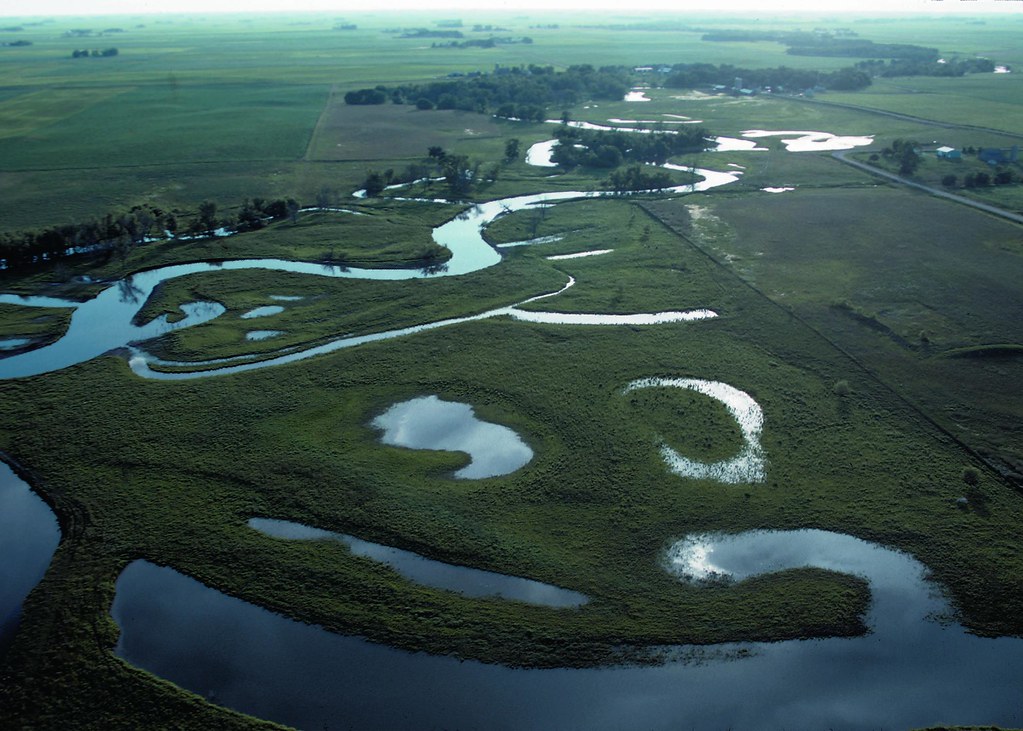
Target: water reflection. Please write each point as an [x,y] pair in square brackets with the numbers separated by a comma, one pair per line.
[750,464]
[249,659]
[264,311]
[262,334]
[28,537]
[429,423]
[428,572]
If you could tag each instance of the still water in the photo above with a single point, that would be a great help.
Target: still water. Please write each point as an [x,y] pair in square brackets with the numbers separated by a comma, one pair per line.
[428,572]
[430,423]
[28,537]
[910,671]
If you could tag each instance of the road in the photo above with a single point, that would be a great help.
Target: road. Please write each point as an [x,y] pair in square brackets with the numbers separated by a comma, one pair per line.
[908,117]
[987,208]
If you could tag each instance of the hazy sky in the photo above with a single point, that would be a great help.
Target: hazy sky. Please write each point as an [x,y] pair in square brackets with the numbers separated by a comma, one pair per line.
[478,8]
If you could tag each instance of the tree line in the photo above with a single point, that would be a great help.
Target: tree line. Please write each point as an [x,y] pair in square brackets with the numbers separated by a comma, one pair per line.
[491,42]
[695,75]
[94,53]
[934,67]
[119,233]
[507,91]
[460,174]
[841,43]
[610,148]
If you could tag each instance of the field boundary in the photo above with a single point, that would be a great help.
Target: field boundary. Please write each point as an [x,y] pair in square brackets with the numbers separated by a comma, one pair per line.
[909,117]
[978,458]
[980,206]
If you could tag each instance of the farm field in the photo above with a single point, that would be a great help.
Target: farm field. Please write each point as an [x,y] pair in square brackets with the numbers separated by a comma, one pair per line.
[781,345]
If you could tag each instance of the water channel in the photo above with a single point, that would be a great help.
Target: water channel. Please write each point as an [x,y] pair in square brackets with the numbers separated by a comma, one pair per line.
[912,670]
[28,537]
[428,572]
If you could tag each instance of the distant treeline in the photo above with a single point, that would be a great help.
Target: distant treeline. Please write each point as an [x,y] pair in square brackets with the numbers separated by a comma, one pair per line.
[521,92]
[94,53]
[118,233]
[491,42]
[16,43]
[610,148]
[695,75]
[839,43]
[427,33]
[854,48]
[952,67]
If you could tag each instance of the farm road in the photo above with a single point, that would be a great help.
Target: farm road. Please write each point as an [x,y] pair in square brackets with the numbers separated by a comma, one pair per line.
[908,117]
[994,210]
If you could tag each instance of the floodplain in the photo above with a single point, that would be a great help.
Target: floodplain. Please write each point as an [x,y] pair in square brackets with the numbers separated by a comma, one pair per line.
[832,358]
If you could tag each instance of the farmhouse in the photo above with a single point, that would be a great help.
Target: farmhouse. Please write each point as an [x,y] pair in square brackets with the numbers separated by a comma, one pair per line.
[948,153]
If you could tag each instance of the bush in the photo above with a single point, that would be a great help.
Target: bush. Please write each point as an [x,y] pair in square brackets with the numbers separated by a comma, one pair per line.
[842,388]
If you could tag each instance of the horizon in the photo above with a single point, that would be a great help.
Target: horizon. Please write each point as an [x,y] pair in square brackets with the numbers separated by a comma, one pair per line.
[809,8]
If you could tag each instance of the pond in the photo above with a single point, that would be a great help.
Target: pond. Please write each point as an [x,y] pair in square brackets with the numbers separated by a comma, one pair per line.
[750,464]
[430,423]
[28,538]
[264,311]
[263,334]
[429,572]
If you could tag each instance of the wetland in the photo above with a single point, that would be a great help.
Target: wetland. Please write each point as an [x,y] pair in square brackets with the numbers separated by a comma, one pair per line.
[513,447]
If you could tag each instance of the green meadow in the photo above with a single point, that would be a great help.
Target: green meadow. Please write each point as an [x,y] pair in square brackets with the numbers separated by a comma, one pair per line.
[912,303]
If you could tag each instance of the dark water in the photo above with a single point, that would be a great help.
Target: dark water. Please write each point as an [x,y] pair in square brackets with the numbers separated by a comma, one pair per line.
[911,671]
[422,570]
[28,537]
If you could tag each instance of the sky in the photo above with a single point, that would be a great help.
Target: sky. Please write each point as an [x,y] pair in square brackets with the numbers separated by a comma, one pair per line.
[37,8]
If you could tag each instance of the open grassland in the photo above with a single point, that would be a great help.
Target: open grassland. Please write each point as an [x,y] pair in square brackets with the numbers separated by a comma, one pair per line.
[898,293]
[388,132]
[981,100]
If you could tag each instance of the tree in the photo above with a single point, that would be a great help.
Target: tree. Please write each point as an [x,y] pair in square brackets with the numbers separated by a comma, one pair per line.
[909,160]
[511,149]
[460,174]
[424,104]
[207,220]
[949,181]
[373,184]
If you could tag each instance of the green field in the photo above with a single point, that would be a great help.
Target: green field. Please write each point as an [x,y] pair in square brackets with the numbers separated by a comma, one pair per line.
[912,302]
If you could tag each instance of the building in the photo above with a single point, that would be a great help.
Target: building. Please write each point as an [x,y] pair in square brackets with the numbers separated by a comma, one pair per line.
[948,153]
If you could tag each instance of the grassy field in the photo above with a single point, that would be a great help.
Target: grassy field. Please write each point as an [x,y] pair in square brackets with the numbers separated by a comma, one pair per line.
[897,293]
[911,301]
[250,98]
